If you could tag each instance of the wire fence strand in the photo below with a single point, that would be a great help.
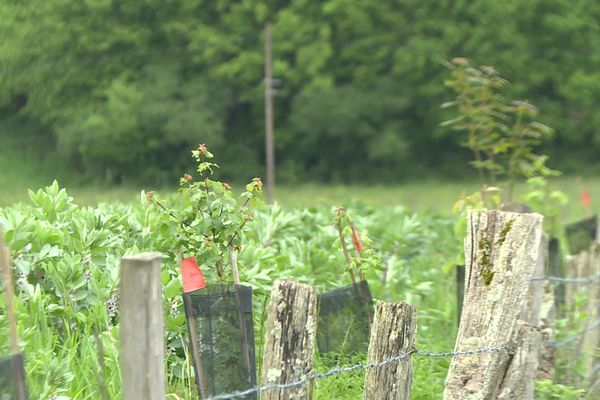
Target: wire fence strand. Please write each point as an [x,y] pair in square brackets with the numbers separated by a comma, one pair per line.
[577,281]
[403,356]
[564,342]
[424,353]
[360,367]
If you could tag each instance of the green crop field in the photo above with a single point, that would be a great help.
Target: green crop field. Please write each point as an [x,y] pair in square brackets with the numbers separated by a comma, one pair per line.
[66,252]
[66,258]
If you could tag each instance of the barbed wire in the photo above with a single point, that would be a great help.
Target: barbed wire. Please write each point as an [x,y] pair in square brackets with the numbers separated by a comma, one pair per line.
[424,353]
[360,367]
[578,281]
[564,342]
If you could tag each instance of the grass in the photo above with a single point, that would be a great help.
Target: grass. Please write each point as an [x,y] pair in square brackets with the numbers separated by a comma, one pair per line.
[20,171]
[436,318]
[417,196]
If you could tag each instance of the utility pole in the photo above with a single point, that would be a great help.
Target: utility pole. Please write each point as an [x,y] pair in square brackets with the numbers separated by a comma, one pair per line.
[270,151]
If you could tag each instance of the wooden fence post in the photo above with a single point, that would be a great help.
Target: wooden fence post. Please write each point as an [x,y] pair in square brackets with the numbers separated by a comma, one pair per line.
[142,352]
[531,308]
[289,340]
[460,290]
[392,334]
[16,359]
[501,252]
[581,266]
[547,355]
[555,268]
[536,330]
[519,379]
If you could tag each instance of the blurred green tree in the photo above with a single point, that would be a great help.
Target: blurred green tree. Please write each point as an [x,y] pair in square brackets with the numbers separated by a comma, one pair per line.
[122,88]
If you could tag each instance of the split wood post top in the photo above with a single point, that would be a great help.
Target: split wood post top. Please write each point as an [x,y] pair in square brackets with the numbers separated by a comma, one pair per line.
[142,352]
[289,340]
[392,335]
[501,252]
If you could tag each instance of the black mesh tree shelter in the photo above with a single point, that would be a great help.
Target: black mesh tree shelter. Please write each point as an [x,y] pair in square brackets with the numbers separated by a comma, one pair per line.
[222,339]
[580,235]
[345,315]
[12,378]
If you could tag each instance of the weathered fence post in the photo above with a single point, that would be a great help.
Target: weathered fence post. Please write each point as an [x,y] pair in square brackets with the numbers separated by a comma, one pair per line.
[586,265]
[142,350]
[531,309]
[501,252]
[538,314]
[289,340]
[17,358]
[547,355]
[460,290]
[519,378]
[555,268]
[392,334]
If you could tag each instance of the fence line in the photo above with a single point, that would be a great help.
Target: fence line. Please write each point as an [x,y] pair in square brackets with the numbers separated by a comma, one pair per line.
[564,342]
[400,357]
[577,281]
[425,353]
[360,367]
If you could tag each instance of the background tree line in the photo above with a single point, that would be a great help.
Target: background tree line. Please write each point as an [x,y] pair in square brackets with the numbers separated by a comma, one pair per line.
[124,89]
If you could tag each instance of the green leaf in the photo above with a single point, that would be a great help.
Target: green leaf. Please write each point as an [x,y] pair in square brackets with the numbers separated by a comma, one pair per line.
[172,289]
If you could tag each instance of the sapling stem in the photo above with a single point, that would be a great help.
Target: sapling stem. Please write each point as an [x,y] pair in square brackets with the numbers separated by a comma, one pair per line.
[236,282]
[357,252]
[195,347]
[234,265]
[345,250]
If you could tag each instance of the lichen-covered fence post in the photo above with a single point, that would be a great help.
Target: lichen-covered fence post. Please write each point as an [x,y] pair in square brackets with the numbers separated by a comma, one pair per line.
[392,334]
[289,340]
[142,352]
[501,252]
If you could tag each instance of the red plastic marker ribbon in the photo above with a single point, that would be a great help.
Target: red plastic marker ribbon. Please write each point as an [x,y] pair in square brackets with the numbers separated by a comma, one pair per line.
[586,199]
[191,274]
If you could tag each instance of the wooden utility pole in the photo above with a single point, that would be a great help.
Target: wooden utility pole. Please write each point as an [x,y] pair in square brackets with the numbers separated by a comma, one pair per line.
[142,349]
[269,140]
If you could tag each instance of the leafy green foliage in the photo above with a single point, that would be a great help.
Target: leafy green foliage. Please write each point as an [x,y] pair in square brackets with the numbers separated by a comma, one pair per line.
[362,259]
[208,222]
[547,202]
[548,390]
[500,133]
[66,258]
